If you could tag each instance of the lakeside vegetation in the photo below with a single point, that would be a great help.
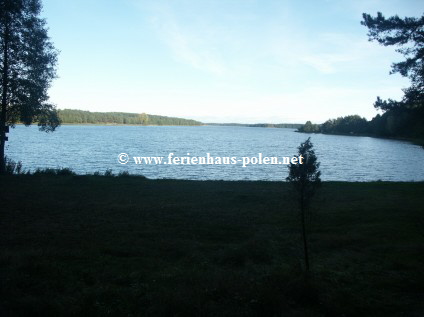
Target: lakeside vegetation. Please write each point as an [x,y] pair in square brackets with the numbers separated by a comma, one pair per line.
[96,245]
[396,123]
[72,116]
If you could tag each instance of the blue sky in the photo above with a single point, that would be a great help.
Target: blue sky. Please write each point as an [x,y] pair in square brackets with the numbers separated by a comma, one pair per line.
[224,60]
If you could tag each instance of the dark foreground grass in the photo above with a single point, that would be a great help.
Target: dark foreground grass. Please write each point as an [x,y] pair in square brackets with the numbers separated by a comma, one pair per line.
[105,246]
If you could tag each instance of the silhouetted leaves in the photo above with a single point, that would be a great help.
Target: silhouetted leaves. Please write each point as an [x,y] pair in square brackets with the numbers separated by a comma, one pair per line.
[408,35]
[27,67]
[305,178]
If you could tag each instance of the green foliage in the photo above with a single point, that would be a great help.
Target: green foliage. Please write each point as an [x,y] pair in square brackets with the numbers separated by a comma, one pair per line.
[13,167]
[108,173]
[342,125]
[27,67]
[65,171]
[309,127]
[345,125]
[86,117]
[124,174]
[28,64]
[305,177]
[396,122]
[406,117]
[408,35]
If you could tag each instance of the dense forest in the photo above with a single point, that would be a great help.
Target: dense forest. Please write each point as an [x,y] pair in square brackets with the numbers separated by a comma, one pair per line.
[261,125]
[70,116]
[398,122]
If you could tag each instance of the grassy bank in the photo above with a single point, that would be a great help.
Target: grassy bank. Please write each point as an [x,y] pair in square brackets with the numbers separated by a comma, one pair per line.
[98,246]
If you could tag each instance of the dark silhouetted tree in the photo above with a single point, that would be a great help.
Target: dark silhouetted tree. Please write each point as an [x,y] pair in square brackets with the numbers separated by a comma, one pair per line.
[305,179]
[27,67]
[408,35]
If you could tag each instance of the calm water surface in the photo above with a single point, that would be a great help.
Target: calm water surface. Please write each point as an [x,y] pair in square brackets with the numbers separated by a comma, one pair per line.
[87,149]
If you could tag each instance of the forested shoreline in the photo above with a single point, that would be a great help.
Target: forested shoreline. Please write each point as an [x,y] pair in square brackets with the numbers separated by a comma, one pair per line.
[395,123]
[72,116]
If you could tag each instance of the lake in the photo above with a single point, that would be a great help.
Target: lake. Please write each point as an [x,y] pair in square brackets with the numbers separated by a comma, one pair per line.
[86,149]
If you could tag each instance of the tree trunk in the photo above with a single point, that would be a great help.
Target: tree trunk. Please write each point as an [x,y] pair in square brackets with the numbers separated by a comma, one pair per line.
[2,144]
[304,234]
[3,117]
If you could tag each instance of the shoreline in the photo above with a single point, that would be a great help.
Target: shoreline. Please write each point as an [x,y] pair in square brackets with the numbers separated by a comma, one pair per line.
[415,141]
[155,125]
[66,172]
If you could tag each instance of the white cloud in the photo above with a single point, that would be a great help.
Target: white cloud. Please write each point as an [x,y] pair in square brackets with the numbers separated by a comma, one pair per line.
[189,45]
[335,52]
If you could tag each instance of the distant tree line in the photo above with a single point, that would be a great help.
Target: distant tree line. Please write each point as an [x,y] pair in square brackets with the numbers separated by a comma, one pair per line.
[400,122]
[70,116]
[261,125]
[342,125]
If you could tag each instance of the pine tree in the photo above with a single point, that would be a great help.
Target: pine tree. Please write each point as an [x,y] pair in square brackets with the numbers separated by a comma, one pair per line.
[305,178]
[408,35]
